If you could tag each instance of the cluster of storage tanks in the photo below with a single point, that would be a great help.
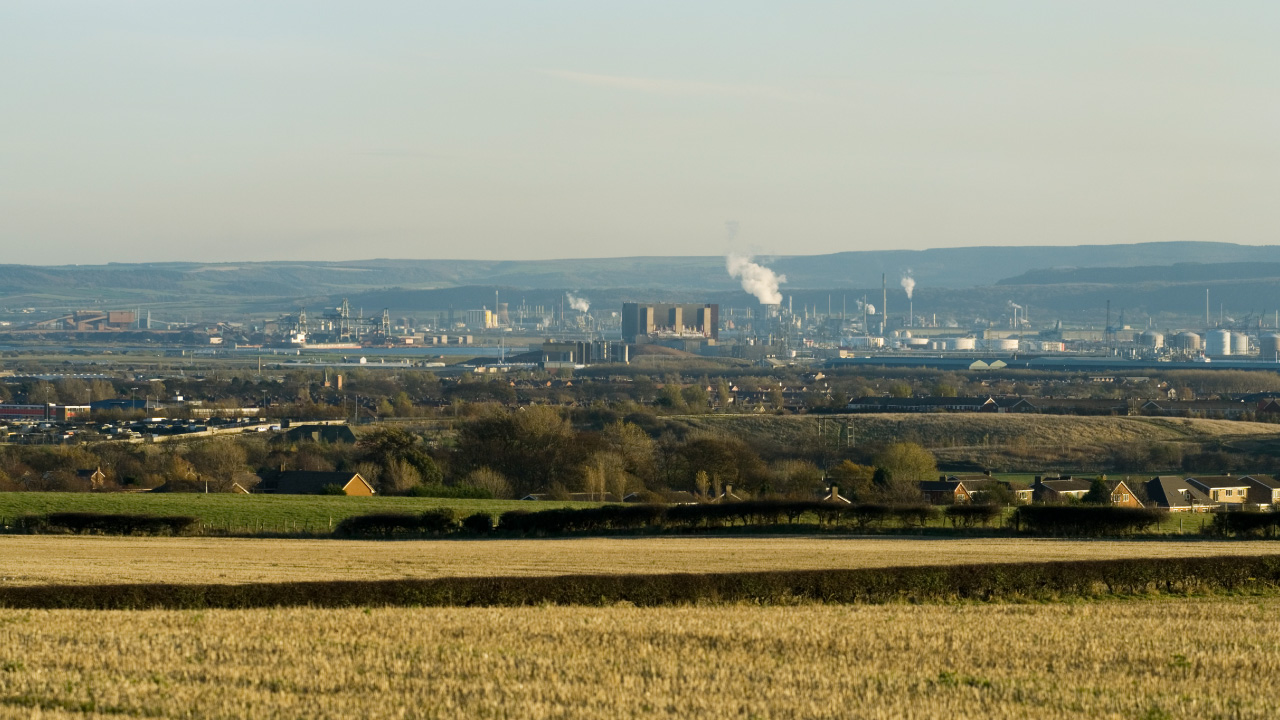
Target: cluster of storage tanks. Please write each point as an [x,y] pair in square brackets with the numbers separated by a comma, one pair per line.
[1215,343]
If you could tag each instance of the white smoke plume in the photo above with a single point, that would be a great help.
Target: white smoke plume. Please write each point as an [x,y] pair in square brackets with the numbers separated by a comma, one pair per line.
[756,279]
[1014,306]
[908,284]
[578,303]
[871,309]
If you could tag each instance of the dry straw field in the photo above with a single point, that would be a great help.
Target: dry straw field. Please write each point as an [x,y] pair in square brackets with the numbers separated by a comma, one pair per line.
[1152,659]
[51,559]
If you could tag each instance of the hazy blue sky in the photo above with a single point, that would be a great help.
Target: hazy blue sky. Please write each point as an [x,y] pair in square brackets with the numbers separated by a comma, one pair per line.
[169,130]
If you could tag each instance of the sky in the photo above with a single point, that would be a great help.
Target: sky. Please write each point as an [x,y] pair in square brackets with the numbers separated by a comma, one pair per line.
[134,131]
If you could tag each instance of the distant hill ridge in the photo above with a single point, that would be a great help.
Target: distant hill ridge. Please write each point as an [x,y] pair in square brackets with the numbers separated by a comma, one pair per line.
[1177,273]
[939,267]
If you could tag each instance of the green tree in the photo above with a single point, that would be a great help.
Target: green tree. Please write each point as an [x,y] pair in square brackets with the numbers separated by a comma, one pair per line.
[1099,492]
[854,480]
[904,465]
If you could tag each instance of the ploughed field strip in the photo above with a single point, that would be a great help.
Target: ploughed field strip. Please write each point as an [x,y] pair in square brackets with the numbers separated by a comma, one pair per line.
[1141,659]
[93,560]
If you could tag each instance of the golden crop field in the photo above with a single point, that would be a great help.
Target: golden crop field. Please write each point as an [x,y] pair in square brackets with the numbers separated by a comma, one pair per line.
[1147,659]
[52,559]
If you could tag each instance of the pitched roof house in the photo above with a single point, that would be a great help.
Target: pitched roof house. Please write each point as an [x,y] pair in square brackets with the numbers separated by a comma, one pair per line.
[1264,490]
[1222,489]
[945,492]
[310,482]
[1059,489]
[95,477]
[1176,495]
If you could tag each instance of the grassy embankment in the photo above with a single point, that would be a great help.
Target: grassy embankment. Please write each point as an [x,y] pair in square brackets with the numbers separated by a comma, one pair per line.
[1153,660]
[1030,443]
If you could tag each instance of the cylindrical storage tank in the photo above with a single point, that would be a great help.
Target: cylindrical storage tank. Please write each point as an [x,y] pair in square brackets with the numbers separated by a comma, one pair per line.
[916,343]
[937,344]
[963,343]
[1239,344]
[1188,341]
[1003,344]
[1053,346]
[1269,346]
[1152,339]
[1217,343]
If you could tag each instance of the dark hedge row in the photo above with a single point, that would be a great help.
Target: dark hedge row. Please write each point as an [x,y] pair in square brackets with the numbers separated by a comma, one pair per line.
[986,582]
[109,524]
[752,513]
[1254,524]
[437,521]
[1085,520]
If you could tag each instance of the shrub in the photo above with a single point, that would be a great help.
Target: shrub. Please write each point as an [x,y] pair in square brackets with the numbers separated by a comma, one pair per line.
[1085,520]
[381,524]
[970,515]
[467,492]
[332,489]
[112,524]
[478,524]
[1255,524]
[438,521]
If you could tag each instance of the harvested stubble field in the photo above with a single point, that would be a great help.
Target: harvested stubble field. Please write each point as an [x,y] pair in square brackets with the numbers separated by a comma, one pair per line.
[47,560]
[1184,658]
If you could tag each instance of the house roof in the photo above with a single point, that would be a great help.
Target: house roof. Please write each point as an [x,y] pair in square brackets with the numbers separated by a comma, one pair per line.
[1068,485]
[1264,480]
[939,485]
[1174,492]
[1219,481]
[308,482]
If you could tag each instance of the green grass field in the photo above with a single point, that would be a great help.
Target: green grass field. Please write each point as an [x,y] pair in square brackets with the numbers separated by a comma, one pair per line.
[248,513]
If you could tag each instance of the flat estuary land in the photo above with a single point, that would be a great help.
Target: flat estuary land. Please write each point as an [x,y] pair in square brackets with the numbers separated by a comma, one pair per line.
[62,559]
[1146,659]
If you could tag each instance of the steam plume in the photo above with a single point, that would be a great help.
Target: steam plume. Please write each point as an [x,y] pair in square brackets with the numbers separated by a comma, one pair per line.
[578,303]
[908,284]
[756,279]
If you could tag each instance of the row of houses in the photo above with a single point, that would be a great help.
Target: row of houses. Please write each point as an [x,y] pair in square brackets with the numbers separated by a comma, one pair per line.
[1203,493]
[1068,406]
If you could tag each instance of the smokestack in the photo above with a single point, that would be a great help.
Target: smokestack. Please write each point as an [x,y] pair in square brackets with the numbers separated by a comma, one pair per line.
[884,306]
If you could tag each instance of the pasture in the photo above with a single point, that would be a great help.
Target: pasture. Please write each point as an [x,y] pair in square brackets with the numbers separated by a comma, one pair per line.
[1153,659]
[247,513]
[73,560]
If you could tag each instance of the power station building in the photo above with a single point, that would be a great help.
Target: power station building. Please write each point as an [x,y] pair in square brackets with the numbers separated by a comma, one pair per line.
[650,322]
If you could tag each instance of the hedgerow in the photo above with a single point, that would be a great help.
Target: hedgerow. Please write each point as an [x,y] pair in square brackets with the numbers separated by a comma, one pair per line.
[109,524]
[1085,520]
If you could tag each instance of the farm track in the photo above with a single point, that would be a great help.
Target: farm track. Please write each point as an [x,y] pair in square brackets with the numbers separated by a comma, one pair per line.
[43,559]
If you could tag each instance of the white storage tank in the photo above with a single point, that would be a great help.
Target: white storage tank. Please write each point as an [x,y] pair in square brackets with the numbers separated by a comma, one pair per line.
[963,343]
[916,343]
[1187,341]
[1269,346]
[1152,339]
[1217,343]
[1239,344]
[1007,344]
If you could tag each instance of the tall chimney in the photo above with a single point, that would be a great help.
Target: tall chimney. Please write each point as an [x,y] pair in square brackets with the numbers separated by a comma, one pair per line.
[884,306]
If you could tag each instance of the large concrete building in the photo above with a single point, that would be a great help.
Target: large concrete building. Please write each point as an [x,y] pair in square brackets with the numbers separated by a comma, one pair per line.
[647,322]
